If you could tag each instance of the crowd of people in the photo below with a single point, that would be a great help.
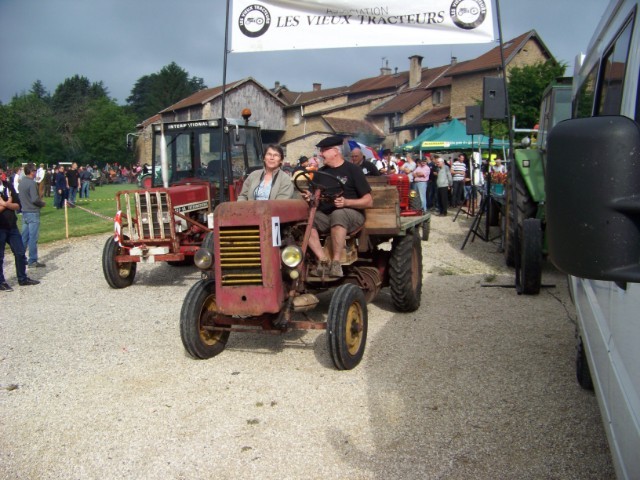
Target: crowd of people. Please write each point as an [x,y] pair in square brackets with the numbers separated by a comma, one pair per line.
[440,182]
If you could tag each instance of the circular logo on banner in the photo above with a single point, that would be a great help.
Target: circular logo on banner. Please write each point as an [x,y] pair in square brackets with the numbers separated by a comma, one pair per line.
[254,20]
[468,14]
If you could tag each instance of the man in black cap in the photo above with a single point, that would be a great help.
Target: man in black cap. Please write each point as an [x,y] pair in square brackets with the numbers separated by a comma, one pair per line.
[344,214]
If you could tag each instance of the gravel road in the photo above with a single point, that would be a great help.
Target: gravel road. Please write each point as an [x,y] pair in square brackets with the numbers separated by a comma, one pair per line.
[478,383]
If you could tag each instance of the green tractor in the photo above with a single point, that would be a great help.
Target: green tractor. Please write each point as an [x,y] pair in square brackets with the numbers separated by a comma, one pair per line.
[527,225]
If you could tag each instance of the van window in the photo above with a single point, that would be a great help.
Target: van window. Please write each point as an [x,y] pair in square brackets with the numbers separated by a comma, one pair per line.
[583,104]
[614,65]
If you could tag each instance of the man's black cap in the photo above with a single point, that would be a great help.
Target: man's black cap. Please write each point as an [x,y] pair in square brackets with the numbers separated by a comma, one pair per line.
[332,141]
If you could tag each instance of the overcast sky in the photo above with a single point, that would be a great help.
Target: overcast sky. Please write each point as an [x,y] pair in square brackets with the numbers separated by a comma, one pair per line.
[119,41]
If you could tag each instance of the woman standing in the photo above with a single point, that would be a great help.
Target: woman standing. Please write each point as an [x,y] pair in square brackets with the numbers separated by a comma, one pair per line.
[270,182]
[420,179]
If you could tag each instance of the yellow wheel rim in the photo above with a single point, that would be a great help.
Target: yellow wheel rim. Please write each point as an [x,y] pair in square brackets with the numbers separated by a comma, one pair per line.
[209,308]
[354,328]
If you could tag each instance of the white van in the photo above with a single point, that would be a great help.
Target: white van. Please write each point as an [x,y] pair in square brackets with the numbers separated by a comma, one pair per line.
[593,215]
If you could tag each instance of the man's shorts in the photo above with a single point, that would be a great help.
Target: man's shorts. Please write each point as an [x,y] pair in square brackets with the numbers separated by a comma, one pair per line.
[347,217]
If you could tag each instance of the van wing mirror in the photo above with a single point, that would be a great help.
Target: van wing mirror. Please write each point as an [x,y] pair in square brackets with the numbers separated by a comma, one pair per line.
[593,198]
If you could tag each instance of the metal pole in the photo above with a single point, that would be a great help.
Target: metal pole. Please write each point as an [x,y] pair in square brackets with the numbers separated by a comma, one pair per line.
[224,88]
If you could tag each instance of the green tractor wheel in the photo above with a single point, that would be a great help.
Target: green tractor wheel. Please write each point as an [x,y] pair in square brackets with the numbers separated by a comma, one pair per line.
[527,208]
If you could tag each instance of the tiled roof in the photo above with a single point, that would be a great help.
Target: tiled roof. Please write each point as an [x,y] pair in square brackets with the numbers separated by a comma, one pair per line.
[381,82]
[434,77]
[401,102]
[435,115]
[491,59]
[346,126]
[149,121]
[206,95]
[301,98]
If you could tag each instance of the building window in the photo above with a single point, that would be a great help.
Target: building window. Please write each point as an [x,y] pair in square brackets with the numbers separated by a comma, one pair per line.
[437,97]
[297,117]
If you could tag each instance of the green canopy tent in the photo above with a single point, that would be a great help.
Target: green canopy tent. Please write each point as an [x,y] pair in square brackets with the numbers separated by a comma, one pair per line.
[454,137]
[427,134]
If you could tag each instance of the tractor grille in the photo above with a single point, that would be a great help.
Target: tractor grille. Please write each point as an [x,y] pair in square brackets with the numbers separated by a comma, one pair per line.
[240,255]
[152,212]
[154,219]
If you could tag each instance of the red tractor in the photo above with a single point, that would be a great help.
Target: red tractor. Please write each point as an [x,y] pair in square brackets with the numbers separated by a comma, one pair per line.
[203,163]
[258,275]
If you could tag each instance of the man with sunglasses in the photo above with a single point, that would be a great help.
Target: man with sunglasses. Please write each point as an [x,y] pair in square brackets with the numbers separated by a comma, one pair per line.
[344,213]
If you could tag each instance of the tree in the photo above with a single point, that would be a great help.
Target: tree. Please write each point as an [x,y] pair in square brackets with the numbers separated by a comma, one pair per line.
[153,93]
[526,85]
[102,135]
[69,103]
[28,131]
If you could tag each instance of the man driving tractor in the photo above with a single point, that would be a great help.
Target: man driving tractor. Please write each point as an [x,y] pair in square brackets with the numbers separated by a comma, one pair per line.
[344,213]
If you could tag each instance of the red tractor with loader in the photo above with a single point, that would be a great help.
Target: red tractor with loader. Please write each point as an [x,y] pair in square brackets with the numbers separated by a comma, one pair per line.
[196,165]
[258,274]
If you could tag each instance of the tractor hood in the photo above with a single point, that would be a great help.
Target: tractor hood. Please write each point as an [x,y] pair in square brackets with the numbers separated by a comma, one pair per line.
[187,197]
[250,212]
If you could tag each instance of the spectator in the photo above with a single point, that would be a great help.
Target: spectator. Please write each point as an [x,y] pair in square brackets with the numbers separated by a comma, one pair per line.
[459,172]
[383,164]
[18,173]
[48,175]
[9,233]
[31,205]
[73,183]
[85,182]
[444,183]
[432,187]
[420,180]
[408,167]
[40,180]
[60,188]
[368,168]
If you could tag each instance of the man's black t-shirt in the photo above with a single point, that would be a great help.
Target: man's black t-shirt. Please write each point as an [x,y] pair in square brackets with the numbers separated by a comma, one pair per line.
[73,175]
[353,181]
[369,169]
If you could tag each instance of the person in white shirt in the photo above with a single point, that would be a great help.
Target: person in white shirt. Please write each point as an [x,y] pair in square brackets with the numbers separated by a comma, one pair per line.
[39,180]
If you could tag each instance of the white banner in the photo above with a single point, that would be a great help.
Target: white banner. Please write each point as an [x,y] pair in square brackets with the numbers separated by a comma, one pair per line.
[263,25]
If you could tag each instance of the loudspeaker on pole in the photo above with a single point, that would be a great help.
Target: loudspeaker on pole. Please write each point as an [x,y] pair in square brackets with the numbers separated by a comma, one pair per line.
[494,106]
[474,120]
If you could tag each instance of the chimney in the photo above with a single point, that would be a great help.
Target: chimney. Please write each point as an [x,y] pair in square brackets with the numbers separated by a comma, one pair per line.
[317,87]
[415,70]
[454,60]
[385,70]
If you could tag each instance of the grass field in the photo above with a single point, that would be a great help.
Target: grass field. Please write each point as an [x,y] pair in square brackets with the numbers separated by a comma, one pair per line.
[81,223]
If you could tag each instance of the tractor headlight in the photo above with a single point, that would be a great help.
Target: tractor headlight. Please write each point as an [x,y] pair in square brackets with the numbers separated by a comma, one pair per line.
[203,258]
[291,256]
[413,193]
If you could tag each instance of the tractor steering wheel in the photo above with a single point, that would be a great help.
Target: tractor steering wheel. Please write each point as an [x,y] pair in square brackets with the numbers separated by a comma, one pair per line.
[329,190]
